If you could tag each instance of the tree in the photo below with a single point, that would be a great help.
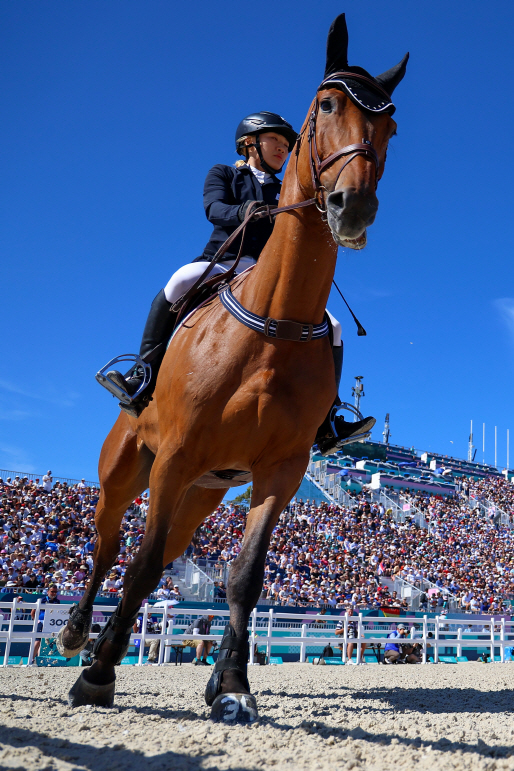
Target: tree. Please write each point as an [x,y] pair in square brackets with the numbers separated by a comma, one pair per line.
[245,497]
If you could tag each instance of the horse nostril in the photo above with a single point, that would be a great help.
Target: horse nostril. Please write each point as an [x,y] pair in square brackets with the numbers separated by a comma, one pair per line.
[335,200]
[349,203]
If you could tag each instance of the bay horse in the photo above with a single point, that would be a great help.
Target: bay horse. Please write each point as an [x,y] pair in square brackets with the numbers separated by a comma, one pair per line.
[232,399]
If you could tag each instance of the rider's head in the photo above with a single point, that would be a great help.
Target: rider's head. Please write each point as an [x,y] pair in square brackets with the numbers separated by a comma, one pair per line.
[265,139]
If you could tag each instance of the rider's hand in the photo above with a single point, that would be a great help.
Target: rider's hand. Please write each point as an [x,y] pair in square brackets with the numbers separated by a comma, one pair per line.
[243,209]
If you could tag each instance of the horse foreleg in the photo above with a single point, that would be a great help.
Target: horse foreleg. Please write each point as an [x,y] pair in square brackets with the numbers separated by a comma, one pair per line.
[124,470]
[168,488]
[228,689]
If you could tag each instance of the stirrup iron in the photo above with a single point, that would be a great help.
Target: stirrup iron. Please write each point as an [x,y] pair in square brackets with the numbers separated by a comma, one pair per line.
[113,388]
[358,416]
[347,406]
[329,446]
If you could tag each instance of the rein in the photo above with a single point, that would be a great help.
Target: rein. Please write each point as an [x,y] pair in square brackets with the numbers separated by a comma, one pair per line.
[255,212]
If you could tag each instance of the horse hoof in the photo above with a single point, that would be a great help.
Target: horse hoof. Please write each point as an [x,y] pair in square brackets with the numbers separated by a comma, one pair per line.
[68,653]
[234,708]
[84,693]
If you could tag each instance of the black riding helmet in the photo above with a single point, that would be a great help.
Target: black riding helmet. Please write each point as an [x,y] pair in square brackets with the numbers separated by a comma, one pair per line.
[260,123]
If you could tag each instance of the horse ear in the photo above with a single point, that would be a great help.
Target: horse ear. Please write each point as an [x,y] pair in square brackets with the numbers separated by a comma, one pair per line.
[337,46]
[390,79]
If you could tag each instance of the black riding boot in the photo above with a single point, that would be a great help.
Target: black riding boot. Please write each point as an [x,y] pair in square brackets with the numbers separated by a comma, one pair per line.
[335,431]
[158,328]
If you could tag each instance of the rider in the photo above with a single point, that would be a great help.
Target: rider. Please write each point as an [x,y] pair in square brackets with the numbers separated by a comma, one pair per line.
[264,139]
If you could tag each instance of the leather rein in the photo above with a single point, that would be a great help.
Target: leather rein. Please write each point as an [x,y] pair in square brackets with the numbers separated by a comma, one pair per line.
[255,212]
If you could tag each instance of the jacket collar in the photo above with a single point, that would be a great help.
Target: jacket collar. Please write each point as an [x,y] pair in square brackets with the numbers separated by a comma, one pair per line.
[272,179]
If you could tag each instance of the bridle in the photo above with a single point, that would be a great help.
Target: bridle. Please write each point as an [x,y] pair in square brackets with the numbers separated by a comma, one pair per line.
[317,167]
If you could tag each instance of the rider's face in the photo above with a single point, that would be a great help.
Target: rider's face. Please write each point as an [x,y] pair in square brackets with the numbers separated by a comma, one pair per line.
[274,148]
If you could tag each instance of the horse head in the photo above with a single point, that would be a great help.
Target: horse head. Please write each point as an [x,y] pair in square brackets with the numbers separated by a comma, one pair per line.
[349,127]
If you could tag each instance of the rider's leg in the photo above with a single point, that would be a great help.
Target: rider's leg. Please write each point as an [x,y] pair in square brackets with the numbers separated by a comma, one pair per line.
[158,329]
[335,430]
[159,326]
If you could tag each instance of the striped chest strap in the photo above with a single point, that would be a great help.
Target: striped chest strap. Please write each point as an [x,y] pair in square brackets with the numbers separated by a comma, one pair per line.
[280,329]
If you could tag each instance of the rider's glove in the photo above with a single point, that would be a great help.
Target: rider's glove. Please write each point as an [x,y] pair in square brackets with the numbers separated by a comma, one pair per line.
[243,209]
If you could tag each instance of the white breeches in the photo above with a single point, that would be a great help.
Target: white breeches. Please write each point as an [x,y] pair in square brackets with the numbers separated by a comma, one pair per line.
[336,327]
[185,277]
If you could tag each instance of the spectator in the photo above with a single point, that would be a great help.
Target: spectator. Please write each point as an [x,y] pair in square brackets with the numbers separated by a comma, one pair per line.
[50,599]
[320,554]
[396,651]
[201,625]
[352,635]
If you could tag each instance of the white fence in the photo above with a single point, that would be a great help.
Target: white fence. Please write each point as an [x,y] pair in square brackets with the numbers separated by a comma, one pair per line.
[272,629]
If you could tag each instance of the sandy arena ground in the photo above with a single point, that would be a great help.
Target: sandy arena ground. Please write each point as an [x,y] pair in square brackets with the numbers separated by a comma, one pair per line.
[368,717]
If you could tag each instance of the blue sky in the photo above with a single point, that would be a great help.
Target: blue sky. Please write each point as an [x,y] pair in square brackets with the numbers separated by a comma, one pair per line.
[114,112]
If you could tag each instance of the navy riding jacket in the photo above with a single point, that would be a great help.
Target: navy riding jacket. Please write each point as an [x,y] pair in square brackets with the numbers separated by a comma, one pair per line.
[225,189]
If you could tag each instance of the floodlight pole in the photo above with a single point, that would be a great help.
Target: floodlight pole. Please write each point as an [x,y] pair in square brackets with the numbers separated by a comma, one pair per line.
[386,432]
[358,392]
[470,444]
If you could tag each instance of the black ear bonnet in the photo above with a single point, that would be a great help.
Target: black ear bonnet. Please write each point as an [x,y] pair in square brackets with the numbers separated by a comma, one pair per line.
[371,94]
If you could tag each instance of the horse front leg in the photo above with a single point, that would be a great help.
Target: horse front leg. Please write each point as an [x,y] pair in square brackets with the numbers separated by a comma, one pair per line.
[228,690]
[168,485]
[74,636]
[124,471]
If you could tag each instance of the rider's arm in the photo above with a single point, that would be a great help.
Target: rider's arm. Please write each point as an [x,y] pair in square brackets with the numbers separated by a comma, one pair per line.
[218,197]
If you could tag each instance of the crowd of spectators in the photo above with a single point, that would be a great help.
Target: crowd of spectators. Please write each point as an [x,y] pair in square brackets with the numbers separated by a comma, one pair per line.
[493,491]
[343,556]
[465,551]
[47,536]
[321,554]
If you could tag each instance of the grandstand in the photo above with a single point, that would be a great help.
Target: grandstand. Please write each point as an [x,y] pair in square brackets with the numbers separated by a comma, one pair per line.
[375,526]
[379,466]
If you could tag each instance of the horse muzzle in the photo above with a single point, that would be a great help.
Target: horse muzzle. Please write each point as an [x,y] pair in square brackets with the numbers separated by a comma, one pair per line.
[349,213]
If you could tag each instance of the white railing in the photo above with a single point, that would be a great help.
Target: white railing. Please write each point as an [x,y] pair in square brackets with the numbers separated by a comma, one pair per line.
[413,591]
[316,474]
[5,474]
[487,508]
[394,501]
[328,484]
[214,569]
[304,630]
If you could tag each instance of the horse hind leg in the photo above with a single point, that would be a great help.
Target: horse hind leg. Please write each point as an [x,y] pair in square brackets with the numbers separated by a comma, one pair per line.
[228,690]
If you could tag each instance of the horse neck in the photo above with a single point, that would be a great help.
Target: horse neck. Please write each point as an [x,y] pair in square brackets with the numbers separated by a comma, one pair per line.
[293,276]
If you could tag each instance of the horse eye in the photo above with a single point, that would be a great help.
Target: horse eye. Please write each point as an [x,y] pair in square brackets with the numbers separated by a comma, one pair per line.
[326,105]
